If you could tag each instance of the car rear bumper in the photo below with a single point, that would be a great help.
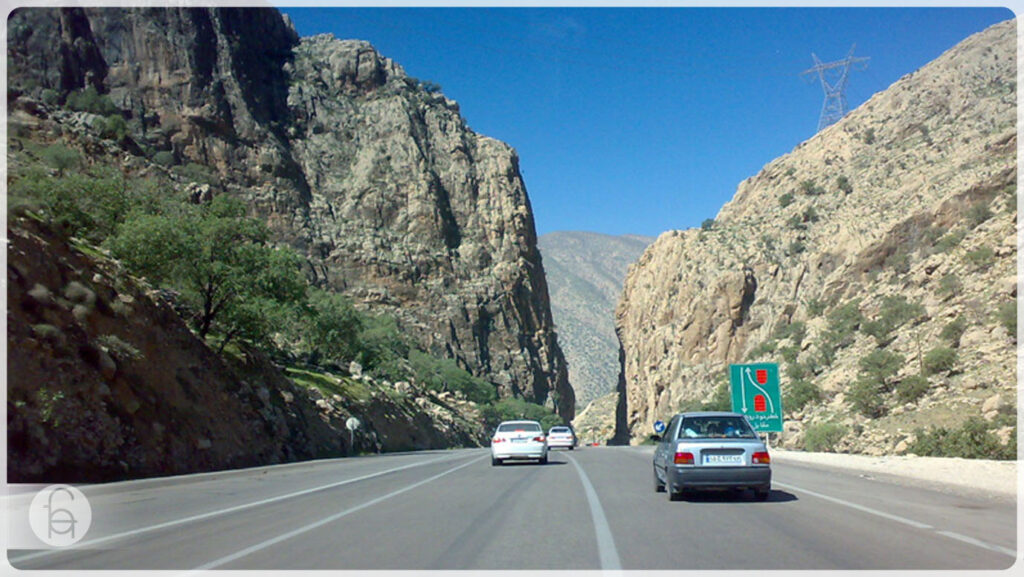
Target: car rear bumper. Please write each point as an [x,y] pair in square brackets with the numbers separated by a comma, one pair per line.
[682,477]
[520,451]
[560,443]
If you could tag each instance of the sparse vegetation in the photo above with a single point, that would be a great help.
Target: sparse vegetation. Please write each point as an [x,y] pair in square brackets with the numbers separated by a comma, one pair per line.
[980,258]
[786,199]
[953,330]
[894,312]
[940,360]
[89,100]
[799,394]
[978,213]
[843,184]
[809,187]
[707,224]
[721,400]
[973,440]
[880,366]
[815,307]
[950,241]
[911,388]
[949,285]
[823,437]
[865,397]
[1006,313]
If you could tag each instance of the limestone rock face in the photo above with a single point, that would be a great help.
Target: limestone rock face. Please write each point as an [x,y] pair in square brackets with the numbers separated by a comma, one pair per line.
[371,174]
[912,195]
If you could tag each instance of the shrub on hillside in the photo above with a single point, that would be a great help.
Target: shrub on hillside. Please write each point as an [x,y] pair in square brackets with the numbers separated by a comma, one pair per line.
[911,388]
[880,366]
[865,396]
[972,440]
[1006,313]
[980,258]
[799,393]
[786,199]
[939,360]
[953,330]
[823,437]
[88,100]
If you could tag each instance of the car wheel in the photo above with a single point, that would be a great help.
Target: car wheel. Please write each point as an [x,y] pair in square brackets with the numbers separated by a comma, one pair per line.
[659,487]
[544,460]
[570,448]
[674,495]
[495,462]
[761,493]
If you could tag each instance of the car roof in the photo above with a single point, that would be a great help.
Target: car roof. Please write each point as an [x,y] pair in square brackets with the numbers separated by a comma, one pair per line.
[517,422]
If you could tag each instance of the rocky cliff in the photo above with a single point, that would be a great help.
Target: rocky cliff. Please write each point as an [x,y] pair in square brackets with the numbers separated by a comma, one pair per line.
[374,176]
[585,271]
[893,230]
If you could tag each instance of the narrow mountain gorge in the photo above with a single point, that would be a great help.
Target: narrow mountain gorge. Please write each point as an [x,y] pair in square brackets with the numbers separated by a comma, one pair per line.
[371,175]
[585,271]
[876,263]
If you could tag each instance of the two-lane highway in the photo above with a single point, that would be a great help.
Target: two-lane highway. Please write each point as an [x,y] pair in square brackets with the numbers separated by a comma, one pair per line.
[593,508]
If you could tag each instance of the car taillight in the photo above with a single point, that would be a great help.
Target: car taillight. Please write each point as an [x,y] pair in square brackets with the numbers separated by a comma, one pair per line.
[684,458]
[761,457]
[497,440]
[539,439]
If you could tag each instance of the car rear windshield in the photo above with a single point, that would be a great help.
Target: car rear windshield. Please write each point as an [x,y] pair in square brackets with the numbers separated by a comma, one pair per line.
[560,430]
[715,428]
[513,427]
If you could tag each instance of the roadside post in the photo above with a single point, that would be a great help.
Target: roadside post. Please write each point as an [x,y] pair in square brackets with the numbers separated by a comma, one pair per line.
[755,393]
[352,424]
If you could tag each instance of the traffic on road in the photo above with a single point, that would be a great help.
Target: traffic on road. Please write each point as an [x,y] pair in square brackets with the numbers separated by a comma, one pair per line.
[451,510]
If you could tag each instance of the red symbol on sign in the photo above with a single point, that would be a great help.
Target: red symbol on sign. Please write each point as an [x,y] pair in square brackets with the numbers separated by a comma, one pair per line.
[760,404]
[762,376]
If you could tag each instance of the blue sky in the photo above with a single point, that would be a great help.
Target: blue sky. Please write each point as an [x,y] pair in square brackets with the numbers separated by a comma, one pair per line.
[642,120]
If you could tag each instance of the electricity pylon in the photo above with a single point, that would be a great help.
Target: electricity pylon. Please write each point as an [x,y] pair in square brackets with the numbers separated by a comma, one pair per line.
[834,76]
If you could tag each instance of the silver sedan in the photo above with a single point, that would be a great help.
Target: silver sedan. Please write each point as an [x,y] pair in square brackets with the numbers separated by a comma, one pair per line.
[711,450]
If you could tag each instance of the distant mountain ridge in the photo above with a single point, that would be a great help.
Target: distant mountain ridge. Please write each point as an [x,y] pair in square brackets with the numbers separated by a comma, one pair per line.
[585,271]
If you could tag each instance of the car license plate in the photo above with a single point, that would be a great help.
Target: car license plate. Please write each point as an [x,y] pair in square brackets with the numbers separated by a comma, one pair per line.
[519,440]
[723,459]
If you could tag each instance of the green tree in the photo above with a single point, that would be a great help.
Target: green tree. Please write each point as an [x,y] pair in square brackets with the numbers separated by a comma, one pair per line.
[230,280]
[879,366]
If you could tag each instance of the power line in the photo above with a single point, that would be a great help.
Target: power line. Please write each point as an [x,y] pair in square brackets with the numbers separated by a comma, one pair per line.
[834,77]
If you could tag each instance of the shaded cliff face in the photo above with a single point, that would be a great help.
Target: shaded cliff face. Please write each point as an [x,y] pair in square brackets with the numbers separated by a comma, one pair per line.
[912,196]
[378,181]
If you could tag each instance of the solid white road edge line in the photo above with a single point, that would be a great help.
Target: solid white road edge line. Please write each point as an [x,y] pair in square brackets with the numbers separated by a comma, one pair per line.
[905,521]
[200,517]
[324,521]
[605,542]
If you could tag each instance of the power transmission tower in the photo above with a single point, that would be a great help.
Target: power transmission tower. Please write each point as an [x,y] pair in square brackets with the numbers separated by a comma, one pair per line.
[834,76]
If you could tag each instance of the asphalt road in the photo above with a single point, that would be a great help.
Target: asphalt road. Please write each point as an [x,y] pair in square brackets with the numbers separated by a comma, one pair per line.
[592,508]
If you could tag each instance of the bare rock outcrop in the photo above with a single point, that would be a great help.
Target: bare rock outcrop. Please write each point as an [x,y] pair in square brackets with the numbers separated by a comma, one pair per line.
[911,198]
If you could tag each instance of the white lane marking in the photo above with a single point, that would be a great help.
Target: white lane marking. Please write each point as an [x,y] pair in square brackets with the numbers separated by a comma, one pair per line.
[605,542]
[322,522]
[200,517]
[905,521]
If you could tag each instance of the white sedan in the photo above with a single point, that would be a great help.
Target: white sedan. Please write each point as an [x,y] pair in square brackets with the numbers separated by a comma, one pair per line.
[561,436]
[519,440]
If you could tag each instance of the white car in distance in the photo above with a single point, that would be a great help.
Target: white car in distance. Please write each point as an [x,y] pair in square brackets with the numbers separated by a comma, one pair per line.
[561,436]
[519,440]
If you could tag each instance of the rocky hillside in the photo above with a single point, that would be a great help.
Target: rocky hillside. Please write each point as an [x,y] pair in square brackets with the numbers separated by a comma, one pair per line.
[585,272]
[105,381]
[371,174]
[876,263]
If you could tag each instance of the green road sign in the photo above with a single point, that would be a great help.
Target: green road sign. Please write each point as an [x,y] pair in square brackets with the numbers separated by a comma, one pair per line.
[755,393]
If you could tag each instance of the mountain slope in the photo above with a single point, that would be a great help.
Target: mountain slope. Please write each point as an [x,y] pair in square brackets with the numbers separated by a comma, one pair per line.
[585,271]
[875,262]
[372,175]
